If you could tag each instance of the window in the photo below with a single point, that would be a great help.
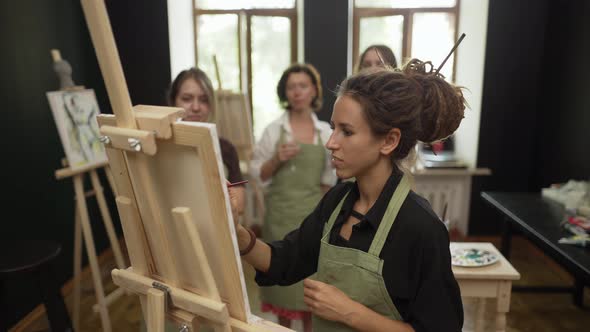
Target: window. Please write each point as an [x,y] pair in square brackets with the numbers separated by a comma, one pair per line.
[253,42]
[424,29]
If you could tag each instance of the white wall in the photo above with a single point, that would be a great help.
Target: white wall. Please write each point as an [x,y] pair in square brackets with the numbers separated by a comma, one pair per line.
[300,31]
[182,35]
[473,21]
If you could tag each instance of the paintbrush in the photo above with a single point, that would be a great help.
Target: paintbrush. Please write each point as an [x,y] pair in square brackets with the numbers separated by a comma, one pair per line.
[229,185]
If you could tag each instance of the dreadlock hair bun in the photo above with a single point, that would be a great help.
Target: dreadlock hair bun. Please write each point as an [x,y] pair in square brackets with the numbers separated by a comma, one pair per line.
[415,99]
[443,104]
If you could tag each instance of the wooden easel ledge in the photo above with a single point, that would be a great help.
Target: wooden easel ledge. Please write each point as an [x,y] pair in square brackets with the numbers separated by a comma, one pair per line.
[152,122]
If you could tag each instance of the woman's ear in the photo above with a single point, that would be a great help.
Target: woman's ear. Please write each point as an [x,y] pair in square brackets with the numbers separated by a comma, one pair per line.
[391,141]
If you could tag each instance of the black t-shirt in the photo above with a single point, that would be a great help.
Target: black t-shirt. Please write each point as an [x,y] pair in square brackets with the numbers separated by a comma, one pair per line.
[417,263]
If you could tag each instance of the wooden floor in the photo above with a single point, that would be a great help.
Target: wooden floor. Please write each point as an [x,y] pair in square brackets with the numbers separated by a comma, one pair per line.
[528,312]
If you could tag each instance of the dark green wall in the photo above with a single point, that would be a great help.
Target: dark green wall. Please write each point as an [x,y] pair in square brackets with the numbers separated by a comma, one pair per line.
[40,206]
[562,151]
[326,34]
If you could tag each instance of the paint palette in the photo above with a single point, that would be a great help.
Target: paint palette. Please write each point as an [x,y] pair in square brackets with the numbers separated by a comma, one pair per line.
[472,257]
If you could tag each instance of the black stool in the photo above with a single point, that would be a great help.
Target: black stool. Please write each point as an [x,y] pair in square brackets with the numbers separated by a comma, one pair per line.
[35,258]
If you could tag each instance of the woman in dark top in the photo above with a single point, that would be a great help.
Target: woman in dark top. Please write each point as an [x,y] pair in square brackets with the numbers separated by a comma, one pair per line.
[375,255]
[193,91]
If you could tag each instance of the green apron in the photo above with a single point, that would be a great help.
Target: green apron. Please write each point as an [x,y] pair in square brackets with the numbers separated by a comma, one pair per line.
[293,194]
[357,273]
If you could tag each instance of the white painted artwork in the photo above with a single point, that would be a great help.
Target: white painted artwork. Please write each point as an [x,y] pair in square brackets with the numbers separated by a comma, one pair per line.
[75,116]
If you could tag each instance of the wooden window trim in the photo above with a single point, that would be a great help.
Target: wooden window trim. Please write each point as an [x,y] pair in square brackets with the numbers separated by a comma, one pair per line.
[408,14]
[247,14]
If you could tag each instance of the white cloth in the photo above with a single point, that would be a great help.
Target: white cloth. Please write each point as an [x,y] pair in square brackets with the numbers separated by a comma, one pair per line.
[266,147]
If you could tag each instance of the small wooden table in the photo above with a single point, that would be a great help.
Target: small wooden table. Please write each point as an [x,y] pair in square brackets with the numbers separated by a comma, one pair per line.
[492,281]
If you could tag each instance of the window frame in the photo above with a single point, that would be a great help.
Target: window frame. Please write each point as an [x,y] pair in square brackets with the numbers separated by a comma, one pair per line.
[245,37]
[408,14]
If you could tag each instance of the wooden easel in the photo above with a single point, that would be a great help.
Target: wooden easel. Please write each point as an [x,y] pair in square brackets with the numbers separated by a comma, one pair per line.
[169,181]
[82,228]
[233,118]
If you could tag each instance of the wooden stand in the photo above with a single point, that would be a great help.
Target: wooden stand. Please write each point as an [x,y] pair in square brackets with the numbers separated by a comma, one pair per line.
[82,224]
[233,118]
[169,181]
[82,228]
[492,281]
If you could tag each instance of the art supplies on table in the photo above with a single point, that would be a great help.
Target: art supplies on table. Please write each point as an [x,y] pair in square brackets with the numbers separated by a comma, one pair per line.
[572,195]
[577,240]
[576,224]
[580,221]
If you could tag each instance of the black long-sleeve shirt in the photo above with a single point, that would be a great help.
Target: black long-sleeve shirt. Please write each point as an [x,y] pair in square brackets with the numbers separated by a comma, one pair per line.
[417,264]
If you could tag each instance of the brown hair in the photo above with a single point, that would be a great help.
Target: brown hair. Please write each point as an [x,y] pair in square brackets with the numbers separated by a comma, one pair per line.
[385,53]
[422,105]
[200,77]
[313,74]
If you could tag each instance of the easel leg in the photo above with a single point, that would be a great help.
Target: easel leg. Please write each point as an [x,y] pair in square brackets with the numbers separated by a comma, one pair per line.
[222,328]
[185,225]
[77,268]
[91,251]
[106,217]
[156,317]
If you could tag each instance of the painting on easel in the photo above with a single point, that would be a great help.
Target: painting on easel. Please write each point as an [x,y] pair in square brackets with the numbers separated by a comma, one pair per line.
[75,114]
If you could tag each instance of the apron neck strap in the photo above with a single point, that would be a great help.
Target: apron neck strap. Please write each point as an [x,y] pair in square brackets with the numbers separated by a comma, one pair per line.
[334,215]
[398,197]
[282,137]
[396,201]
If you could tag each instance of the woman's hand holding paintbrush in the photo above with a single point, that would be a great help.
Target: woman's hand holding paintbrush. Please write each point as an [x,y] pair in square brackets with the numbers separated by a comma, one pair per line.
[233,198]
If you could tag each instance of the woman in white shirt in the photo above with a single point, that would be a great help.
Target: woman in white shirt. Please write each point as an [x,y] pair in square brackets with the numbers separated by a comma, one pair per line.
[290,160]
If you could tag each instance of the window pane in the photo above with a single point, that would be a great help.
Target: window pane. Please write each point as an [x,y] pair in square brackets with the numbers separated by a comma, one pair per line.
[386,30]
[218,35]
[244,4]
[271,55]
[433,36]
[404,3]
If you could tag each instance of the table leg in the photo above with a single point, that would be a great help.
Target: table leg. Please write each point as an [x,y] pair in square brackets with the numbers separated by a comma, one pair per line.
[4,326]
[506,238]
[503,304]
[578,293]
[480,315]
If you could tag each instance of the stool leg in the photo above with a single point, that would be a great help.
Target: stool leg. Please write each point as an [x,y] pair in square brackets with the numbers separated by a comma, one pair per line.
[3,308]
[59,320]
